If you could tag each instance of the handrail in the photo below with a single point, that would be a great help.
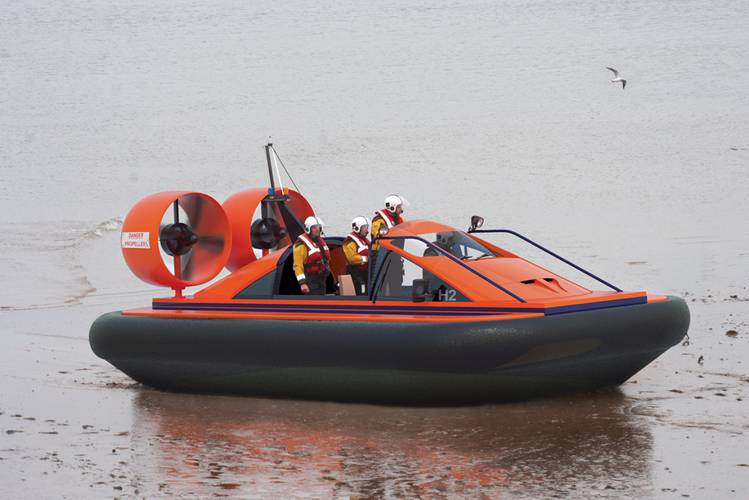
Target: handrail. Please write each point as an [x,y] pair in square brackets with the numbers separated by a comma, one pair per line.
[451,257]
[528,240]
[371,280]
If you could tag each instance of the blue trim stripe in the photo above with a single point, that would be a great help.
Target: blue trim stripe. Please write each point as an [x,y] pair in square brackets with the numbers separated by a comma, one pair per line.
[596,305]
[392,310]
[341,309]
[360,308]
[323,311]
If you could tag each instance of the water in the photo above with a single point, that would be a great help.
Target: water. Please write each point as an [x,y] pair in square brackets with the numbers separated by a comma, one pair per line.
[498,108]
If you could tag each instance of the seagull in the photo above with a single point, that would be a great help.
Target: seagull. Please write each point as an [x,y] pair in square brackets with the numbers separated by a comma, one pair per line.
[617,78]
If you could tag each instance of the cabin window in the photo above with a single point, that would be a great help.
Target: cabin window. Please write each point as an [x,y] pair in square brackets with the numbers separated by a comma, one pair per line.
[456,243]
[396,281]
[260,288]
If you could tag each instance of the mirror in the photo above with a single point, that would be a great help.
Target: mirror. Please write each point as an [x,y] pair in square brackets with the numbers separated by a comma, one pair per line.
[419,290]
[476,222]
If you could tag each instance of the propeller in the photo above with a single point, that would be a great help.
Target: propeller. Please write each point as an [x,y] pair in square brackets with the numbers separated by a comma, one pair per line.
[194,244]
[176,239]
[266,233]
[262,223]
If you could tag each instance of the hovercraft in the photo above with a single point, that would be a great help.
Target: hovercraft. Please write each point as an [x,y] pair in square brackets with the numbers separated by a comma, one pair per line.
[448,317]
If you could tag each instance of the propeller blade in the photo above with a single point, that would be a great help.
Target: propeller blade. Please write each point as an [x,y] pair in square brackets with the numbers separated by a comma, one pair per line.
[193,207]
[176,211]
[212,243]
[201,260]
[186,266]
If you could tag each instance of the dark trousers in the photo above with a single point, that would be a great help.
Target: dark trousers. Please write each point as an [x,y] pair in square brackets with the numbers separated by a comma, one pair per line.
[316,283]
[359,277]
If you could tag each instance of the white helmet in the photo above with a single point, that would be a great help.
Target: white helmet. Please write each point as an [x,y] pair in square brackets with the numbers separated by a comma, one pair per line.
[312,220]
[445,239]
[394,201]
[359,222]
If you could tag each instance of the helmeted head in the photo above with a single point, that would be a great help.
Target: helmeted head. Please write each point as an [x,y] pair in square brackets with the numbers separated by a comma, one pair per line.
[395,204]
[313,225]
[360,225]
[445,240]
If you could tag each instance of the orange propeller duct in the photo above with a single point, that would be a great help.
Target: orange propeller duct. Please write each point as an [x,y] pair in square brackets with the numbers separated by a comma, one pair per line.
[250,215]
[176,239]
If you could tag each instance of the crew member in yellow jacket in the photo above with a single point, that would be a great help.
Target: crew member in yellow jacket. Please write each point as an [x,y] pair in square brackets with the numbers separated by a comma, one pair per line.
[311,258]
[356,249]
[386,219]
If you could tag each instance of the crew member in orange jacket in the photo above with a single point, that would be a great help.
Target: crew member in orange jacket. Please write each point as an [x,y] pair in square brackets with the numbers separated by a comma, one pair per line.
[311,258]
[356,249]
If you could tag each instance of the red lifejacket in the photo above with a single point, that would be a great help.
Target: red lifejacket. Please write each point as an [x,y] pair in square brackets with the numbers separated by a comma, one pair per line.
[318,257]
[362,246]
[390,220]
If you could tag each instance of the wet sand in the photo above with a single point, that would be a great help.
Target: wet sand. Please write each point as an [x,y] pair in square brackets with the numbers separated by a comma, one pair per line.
[73,425]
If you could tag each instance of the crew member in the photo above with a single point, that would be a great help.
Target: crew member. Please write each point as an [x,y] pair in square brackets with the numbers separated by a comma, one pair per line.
[386,219]
[446,241]
[356,248]
[311,258]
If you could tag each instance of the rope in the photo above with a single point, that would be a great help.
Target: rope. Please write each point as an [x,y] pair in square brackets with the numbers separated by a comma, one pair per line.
[286,170]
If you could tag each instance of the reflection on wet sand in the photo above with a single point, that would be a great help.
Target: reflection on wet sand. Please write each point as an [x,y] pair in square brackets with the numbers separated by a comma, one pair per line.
[198,445]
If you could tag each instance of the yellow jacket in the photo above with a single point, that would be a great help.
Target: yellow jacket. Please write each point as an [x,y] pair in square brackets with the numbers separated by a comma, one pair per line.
[303,247]
[351,249]
[300,257]
[378,223]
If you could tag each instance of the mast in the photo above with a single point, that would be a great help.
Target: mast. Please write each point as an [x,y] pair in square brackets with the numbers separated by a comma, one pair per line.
[270,167]
[273,206]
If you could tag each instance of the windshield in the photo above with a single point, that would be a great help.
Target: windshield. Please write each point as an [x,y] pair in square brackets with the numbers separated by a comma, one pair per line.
[456,243]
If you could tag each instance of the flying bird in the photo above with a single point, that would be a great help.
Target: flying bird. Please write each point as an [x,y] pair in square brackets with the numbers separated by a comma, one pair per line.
[617,78]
